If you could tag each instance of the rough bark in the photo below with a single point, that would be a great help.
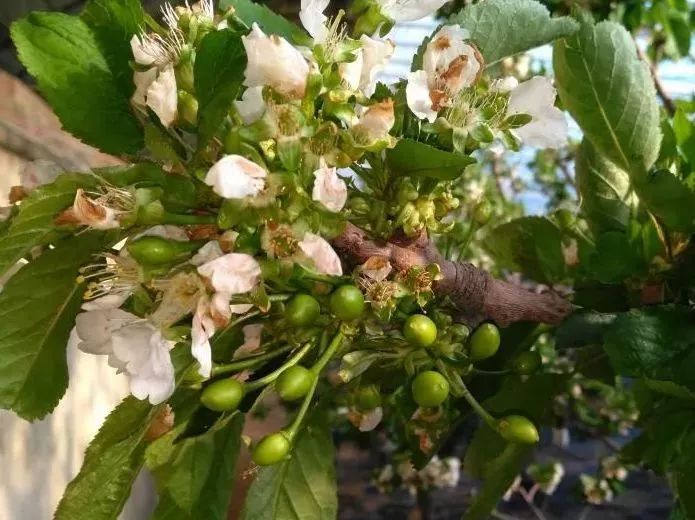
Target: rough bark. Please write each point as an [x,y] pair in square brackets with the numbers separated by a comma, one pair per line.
[475,293]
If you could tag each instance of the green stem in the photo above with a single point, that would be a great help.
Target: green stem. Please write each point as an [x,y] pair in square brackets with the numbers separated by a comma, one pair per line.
[259,383]
[297,422]
[249,362]
[328,353]
[467,240]
[315,370]
[482,412]
[185,220]
[491,372]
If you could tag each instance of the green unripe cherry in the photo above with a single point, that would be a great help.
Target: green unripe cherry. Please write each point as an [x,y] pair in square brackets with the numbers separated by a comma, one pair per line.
[518,429]
[482,212]
[347,302]
[223,396]
[430,389]
[294,383]
[271,449]
[152,250]
[419,330]
[485,342]
[302,310]
[368,398]
[527,363]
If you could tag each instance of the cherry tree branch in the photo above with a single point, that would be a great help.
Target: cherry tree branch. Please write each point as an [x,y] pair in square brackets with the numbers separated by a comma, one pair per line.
[475,293]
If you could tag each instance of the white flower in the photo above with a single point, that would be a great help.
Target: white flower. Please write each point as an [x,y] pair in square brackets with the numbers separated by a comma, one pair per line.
[370,60]
[164,231]
[409,10]
[273,61]
[233,273]
[548,126]
[96,327]
[143,353]
[235,177]
[454,63]
[147,51]
[313,19]
[376,120]
[109,301]
[417,93]
[376,55]
[505,84]
[93,213]
[251,106]
[351,72]
[376,268]
[449,65]
[162,96]
[252,341]
[134,346]
[329,189]
[209,252]
[322,255]
[202,329]
[371,419]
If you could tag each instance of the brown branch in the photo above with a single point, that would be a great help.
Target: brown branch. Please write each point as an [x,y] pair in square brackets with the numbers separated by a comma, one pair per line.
[475,293]
[660,90]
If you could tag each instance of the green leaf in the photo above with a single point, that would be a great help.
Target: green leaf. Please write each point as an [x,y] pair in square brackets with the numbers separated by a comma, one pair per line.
[75,76]
[271,23]
[114,22]
[669,198]
[198,477]
[415,159]
[685,135]
[116,455]
[501,473]
[302,486]
[684,475]
[111,463]
[604,189]
[33,224]
[530,245]
[37,309]
[502,28]
[656,343]
[219,71]
[582,328]
[610,92]
[616,257]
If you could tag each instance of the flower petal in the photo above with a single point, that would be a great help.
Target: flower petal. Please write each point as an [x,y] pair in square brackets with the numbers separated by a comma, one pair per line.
[409,10]
[417,94]
[313,19]
[234,273]
[251,106]
[144,353]
[252,341]
[548,127]
[273,61]
[162,96]
[321,254]
[235,177]
[91,213]
[209,252]
[376,55]
[202,329]
[329,189]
